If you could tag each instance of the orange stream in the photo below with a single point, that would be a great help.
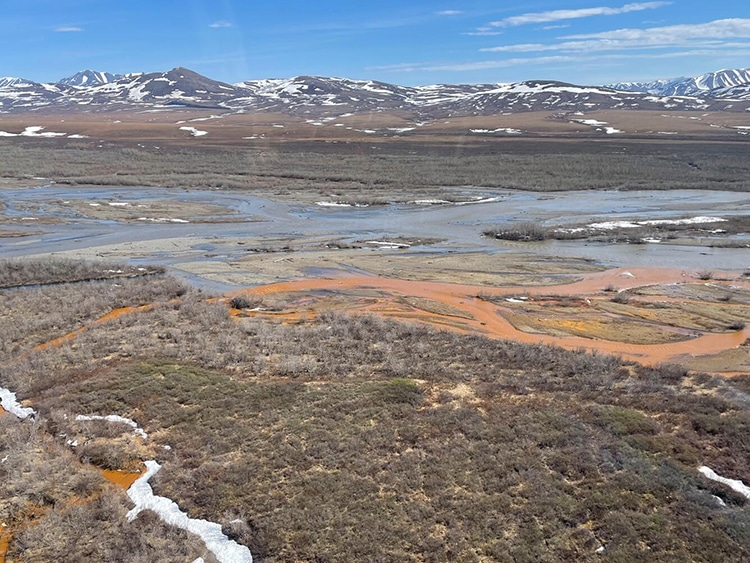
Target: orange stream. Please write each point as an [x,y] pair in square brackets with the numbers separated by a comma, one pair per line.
[103,319]
[488,320]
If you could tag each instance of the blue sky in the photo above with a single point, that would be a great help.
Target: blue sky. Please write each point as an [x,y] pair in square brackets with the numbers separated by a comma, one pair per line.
[405,42]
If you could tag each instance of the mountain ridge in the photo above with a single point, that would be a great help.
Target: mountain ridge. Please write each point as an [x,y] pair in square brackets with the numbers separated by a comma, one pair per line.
[319,96]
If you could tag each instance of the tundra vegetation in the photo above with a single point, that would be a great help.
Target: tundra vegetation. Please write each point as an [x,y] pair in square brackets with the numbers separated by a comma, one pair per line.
[346,438]
[365,172]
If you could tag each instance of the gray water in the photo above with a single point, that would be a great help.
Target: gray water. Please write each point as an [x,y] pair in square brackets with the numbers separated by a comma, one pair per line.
[270,222]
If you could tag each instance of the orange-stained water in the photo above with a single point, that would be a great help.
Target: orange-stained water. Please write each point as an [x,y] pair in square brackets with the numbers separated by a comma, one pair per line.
[4,541]
[121,478]
[486,318]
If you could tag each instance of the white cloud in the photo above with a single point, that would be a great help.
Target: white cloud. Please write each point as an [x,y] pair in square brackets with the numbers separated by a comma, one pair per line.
[561,26]
[449,13]
[717,29]
[557,15]
[484,32]
[469,66]
[573,60]
[712,35]
[68,29]
[221,24]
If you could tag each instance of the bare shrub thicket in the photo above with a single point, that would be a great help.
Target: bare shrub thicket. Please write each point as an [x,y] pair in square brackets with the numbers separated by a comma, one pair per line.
[61,270]
[358,438]
[41,314]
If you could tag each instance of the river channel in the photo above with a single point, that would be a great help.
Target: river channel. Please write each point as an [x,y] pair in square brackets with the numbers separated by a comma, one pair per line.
[64,220]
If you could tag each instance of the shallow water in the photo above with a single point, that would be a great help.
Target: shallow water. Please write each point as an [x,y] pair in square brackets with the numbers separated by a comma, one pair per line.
[269,222]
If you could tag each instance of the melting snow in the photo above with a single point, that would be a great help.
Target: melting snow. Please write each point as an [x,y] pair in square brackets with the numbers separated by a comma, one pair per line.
[430,201]
[137,430]
[508,130]
[33,131]
[194,132]
[479,200]
[332,204]
[608,225]
[388,244]
[734,484]
[11,404]
[142,495]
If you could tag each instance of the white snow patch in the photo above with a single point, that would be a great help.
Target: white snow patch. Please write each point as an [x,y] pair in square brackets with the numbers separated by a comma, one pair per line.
[162,220]
[119,204]
[479,200]
[137,430]
[332,204]
[194,132]
[388,244]
[734,484]
[608,225]
[688,221]
[430,201]
[592,122]
[11,404]
[508,130]
[142,495]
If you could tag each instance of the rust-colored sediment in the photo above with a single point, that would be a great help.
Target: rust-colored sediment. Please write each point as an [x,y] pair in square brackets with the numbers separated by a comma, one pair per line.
[485,317]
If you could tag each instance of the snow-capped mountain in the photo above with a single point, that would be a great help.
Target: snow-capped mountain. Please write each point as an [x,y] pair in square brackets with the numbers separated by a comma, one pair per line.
[317,97]
[712,84]
[10,81]
[89,78]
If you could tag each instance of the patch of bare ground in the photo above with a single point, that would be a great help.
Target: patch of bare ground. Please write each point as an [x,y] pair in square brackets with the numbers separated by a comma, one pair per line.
[449,267]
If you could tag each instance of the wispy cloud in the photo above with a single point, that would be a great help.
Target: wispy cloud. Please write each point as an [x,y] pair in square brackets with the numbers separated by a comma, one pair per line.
[484,31]
[221,24]
[472,65]
[68,29]
[449,13]
[558,15]
[558,26]
[712,35]
[556,60]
